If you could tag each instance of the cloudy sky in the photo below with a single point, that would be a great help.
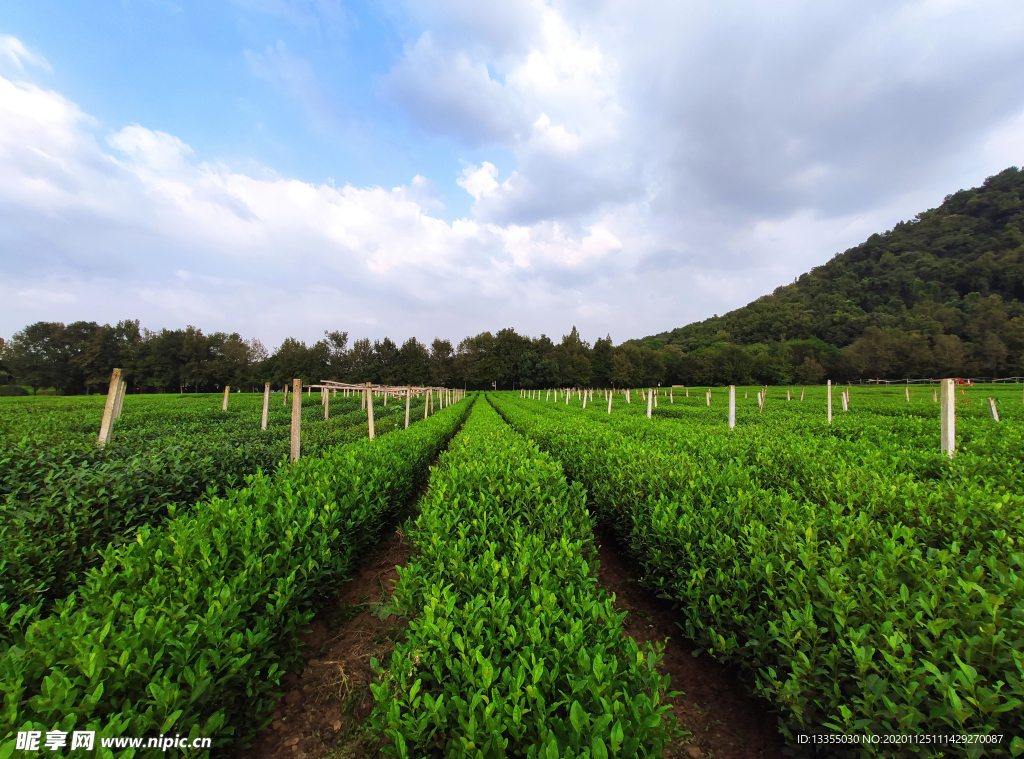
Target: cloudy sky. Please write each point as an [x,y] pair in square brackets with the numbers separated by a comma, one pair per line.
[282,167]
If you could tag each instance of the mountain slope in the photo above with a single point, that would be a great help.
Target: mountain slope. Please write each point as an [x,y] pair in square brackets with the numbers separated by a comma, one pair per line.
[956,271]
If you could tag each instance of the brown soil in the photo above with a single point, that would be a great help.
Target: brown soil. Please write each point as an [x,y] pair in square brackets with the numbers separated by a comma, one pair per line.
[724,721]
[324,714]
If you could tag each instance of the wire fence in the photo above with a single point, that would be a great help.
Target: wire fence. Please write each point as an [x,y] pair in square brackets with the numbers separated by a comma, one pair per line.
[935,381]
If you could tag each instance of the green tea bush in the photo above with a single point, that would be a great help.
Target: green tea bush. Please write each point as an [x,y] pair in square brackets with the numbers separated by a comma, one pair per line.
[190,627]
[513,650]
[63,499]
[866,587]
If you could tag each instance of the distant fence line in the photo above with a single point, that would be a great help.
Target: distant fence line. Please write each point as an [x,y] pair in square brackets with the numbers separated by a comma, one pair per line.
[980,380]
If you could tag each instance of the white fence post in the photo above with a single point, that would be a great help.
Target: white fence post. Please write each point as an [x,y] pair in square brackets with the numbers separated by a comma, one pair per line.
[296,436]
[369,408]
[266,404]
[948,417]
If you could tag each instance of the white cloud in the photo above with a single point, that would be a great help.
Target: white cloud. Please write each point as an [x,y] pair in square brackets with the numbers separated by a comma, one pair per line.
[1006,141]
[148,231]
[155,150]
[479,181]
[755,112]
[451,94]
[661,162]
[13,51]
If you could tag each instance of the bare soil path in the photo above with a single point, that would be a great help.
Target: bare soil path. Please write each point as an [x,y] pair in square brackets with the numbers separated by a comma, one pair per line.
[725,722]
[325,712]
[324,715]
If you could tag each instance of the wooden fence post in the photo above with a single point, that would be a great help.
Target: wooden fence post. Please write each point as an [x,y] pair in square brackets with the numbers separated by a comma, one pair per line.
[788,397]
[425,404]
[266,405]
[296,418]
[369,408]
[408,399]
[284,400]
[107,424]
[224,405]
[732,407]
[935,398]
[327,403]
[802,392]
[650,400]
[908,392]
[121,388]
[948,417]
[830,401]
[992,410]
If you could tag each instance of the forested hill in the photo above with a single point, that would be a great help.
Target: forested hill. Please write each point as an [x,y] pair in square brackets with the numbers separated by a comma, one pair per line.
[941,294]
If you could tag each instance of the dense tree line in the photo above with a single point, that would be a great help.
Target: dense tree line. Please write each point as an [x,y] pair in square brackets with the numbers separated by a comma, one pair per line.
[78,358]
[937,296]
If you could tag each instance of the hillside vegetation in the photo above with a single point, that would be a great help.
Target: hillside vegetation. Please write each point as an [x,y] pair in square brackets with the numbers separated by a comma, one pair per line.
[939,295]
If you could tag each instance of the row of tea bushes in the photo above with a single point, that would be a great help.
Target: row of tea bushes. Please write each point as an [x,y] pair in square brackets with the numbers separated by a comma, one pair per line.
[859,460]
[190,628]
[860,596]
[513,650]
[64,499]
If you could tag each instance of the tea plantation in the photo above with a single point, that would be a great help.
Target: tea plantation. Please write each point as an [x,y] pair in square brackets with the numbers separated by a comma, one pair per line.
[65,499]
[861,582]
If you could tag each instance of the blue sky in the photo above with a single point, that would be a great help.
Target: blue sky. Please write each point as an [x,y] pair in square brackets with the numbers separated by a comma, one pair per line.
[282,167]
[291,86]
